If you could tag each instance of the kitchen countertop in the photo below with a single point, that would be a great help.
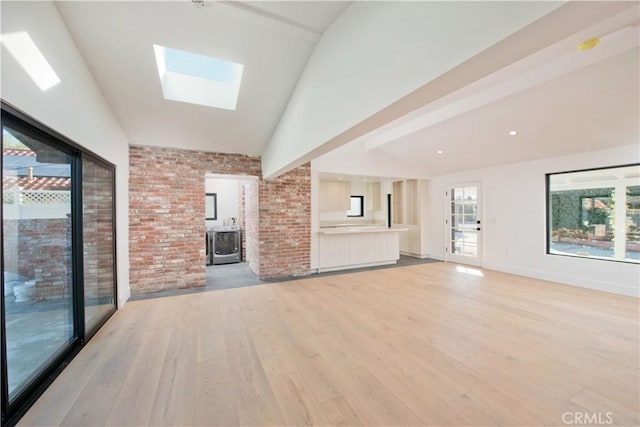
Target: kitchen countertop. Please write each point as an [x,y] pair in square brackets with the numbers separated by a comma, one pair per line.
[359,230]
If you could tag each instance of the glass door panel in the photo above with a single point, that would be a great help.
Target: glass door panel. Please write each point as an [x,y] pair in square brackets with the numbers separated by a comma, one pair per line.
[37,263]
[98,242]
[463,224]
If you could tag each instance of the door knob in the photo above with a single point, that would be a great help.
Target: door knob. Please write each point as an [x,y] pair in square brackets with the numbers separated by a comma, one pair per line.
[478,228]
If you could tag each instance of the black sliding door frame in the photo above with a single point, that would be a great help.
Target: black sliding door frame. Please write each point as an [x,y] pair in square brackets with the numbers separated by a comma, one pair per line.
[13,410]
[91,331]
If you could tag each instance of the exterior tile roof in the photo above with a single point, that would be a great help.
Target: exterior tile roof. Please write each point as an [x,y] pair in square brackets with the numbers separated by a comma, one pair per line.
[37,183]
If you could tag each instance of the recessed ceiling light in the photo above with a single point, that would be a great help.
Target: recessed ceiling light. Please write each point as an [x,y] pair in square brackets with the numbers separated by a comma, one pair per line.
[198,79]
[31,59]
[439,152]
[513,132]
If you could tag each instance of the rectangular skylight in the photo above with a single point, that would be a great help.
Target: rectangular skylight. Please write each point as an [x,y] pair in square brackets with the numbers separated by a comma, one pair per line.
[26,53]
[198,79]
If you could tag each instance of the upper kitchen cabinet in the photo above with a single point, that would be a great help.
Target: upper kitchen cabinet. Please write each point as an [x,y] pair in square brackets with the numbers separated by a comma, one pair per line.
[334,196]
[372,196]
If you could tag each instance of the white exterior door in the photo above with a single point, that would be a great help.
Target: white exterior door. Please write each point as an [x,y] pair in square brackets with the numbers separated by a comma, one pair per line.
[463,224]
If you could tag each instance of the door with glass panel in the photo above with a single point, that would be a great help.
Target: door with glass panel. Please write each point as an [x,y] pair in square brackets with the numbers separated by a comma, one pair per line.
[463,224]
[37,264]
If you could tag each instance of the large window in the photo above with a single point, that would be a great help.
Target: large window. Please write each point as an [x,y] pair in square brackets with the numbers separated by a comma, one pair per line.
[58,255]
[595,213]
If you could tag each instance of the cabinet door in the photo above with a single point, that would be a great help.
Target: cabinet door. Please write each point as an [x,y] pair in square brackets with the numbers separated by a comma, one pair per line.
[372,198]
[344,198]
[323,196]
[339,196]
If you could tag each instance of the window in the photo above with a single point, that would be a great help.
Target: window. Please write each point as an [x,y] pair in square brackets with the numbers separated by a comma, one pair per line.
[595,213]
[211,207]
[198,79]
[357,206]
[26,53]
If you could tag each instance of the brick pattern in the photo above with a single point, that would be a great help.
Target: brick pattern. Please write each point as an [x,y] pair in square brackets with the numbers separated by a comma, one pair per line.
[166,217]
[285,224]
[40,249]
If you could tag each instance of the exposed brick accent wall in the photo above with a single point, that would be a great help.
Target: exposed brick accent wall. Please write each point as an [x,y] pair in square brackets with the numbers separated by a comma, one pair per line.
[285,224]
[166,214]
[166,217]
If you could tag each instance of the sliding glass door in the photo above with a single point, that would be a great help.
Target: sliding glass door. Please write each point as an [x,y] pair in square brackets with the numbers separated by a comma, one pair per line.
[37,245]
[98,222]
[58,255]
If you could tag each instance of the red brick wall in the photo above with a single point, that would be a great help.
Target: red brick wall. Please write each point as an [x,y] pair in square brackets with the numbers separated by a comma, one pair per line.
[166,217]
[285,224]
[42,249]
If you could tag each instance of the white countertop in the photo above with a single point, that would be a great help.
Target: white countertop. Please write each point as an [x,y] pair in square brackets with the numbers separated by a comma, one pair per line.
[360,230]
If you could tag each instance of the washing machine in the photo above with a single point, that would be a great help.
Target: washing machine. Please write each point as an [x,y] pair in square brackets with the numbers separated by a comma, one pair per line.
[226,245]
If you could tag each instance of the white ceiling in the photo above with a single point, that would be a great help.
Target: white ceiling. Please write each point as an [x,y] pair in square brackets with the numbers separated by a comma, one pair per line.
[594,108]
[560,101]
[272,39]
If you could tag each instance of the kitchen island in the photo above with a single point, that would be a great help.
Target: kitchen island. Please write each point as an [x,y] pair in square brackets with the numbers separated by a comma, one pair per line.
[342,248]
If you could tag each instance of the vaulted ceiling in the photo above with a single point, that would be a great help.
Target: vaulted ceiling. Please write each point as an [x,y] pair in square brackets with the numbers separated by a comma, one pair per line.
[295,103]
[273,40]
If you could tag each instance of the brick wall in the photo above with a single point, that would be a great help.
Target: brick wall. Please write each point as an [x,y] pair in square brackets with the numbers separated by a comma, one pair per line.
[40,249]
[285,224]
[166,217]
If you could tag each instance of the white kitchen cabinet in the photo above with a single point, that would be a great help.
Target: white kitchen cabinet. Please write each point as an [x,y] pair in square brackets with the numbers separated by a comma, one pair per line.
[342,249]
[372,196]
[334,196]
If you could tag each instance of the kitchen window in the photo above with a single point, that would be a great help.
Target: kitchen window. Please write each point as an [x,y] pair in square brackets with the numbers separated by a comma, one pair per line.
[357,207]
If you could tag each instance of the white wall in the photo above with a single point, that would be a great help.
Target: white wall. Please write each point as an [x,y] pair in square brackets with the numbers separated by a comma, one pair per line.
[228,198]
[75,107]
[374,54]
[514,231]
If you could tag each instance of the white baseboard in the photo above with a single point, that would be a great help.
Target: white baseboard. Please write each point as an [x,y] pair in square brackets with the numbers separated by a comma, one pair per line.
[414,255]
[599,285]
[352,266]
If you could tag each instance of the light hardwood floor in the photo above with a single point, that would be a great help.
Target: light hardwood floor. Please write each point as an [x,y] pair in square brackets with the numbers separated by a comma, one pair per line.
[429,344]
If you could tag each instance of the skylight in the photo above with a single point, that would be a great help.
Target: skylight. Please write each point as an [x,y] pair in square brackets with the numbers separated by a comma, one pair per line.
[198,79]
[21,46]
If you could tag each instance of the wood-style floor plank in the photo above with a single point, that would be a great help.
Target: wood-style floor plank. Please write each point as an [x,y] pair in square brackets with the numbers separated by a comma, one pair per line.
[431,344]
